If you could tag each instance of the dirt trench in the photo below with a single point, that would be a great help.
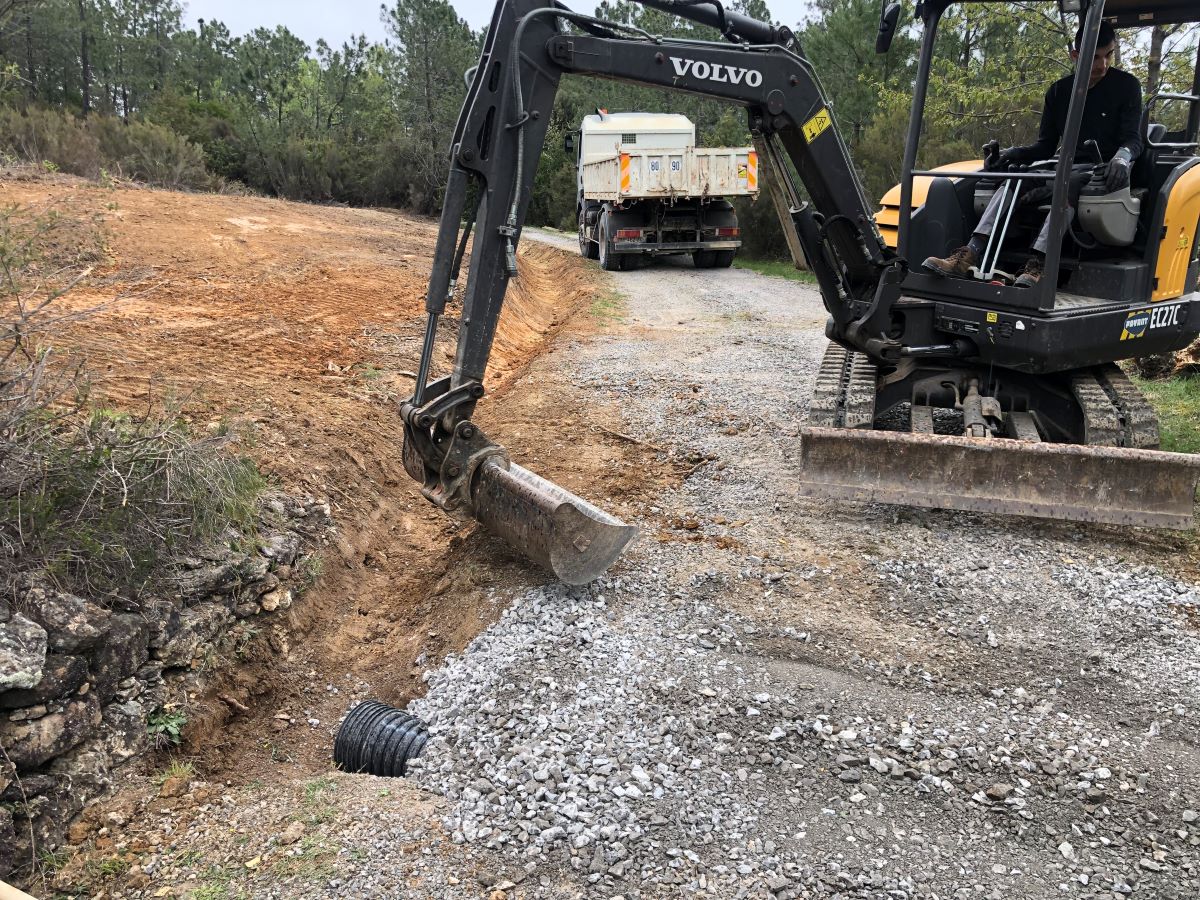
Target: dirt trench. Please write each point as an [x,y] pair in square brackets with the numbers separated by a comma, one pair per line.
[300,327]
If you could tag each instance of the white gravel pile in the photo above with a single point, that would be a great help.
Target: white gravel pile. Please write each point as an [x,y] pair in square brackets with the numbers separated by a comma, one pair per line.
[817,700]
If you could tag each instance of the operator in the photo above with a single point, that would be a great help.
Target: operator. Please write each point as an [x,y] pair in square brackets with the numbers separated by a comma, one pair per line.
[1111,117]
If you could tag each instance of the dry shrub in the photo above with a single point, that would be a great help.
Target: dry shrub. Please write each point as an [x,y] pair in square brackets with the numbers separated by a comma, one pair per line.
[100,501]
[142,151]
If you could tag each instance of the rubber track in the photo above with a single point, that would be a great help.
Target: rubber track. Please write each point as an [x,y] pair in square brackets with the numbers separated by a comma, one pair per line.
[844,393]
[1137,415]
[825,408]
[1115,412]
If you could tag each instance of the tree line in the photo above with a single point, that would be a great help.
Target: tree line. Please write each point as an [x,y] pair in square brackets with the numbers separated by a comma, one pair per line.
[368,123]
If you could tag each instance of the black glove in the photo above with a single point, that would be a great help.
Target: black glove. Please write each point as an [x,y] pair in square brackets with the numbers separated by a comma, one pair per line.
[1002,161]
[1117,175]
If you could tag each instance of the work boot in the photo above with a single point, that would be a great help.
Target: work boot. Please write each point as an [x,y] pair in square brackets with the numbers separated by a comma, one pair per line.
[956,265]
[1031,274]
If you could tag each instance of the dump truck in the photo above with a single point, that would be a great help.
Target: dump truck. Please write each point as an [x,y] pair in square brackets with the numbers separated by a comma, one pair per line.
[645,189]
[1045,423]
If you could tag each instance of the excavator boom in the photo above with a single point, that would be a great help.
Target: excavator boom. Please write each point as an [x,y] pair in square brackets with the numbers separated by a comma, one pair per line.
[497,142]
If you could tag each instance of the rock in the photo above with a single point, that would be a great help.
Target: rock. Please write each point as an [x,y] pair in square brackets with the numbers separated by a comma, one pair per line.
[123,735]
[60,676]
[205,581]
[22,653]
[292,833]
[850,776]
[8,842]
[279,599]
[999,792]
[282,547]
[162,620]
[79,831]
[124,649]
[1191,815]
[175,786]
[72,623]
[779,883]
[30,744]
[1067,851]
[198,625]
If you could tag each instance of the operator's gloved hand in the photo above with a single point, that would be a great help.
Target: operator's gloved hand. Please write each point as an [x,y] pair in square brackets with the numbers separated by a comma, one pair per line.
[1117,175]
[1002,161]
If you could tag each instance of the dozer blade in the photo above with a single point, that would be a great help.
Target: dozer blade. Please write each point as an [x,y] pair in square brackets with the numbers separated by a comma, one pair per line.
[574,539]
[1054,481]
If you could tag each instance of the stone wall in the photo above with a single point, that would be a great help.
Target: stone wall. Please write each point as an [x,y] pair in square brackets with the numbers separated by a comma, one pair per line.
[82,686]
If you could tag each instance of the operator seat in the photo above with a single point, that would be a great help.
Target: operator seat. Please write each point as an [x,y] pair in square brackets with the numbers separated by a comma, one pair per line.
[1142,175]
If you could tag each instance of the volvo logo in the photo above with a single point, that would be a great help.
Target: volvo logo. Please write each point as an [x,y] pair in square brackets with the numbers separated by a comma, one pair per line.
[698,68]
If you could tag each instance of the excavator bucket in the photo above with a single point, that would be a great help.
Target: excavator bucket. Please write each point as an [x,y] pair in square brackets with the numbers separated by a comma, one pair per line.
[572,538]
[1057,481]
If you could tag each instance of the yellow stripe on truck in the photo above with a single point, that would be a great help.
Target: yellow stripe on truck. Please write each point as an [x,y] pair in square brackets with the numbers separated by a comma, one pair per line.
[624,173]
[1179,235]
[752,173]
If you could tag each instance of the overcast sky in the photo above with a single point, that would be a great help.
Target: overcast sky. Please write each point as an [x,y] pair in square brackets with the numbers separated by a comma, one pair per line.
[336,20]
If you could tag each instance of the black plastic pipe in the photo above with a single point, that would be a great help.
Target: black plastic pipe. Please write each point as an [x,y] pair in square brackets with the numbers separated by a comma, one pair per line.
[378,739]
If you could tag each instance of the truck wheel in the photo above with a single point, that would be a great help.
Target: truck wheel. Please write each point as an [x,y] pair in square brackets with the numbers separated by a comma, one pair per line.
[704,259]
[609,261]
[587,247]
[723,259]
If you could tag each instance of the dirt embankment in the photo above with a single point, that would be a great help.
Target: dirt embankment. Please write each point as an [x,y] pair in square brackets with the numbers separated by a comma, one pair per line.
[300,327]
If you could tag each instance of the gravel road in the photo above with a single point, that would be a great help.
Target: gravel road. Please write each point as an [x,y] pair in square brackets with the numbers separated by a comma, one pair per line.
[774,697]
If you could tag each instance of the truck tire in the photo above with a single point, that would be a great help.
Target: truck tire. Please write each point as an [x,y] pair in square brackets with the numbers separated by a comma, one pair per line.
[588,248]
[723,259]
[609,261]
[704,259]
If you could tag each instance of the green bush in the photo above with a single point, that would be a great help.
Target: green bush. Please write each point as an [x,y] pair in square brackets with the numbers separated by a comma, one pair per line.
[46,135]
[139,150]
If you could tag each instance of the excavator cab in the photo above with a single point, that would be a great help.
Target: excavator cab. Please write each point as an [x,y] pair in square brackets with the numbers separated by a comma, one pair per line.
[1027,376]
[934,392]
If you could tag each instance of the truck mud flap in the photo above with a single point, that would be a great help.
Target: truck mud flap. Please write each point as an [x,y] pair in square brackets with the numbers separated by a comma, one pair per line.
[1057,481]
[569,536]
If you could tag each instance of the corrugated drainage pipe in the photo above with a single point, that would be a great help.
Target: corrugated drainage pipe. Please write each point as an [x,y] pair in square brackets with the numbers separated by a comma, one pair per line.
[378,739]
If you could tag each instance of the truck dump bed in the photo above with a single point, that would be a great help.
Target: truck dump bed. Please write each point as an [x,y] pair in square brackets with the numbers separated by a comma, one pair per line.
[657,174]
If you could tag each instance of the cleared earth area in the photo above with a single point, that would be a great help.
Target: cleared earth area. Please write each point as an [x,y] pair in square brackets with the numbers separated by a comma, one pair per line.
[764,697]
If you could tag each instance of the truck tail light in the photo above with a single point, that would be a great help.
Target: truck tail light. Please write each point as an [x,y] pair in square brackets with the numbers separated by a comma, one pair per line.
[728,232]
[628,234]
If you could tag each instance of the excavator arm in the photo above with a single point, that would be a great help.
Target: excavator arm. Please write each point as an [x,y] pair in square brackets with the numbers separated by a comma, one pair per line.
[496,146]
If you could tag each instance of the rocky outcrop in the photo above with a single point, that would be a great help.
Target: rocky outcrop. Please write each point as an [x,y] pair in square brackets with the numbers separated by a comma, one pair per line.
[79,682]
[22,653]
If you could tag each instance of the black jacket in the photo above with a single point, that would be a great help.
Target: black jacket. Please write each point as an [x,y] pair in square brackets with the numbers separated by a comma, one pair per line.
[1112,118]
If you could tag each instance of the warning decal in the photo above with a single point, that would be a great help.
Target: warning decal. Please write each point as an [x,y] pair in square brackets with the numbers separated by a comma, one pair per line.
[816,126]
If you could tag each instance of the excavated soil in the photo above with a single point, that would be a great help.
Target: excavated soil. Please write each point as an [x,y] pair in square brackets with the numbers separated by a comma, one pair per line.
[300,328]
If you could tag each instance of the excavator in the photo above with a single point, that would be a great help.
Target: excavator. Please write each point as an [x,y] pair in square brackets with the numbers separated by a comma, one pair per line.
[968,394]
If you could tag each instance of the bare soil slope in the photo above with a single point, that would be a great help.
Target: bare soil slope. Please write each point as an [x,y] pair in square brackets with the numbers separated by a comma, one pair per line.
[300,327]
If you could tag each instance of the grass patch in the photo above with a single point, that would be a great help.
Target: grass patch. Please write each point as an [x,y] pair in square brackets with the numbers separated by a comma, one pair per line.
[775,268]
[608,308]
[176,768]
[318,804]
[218,884]
[311,859]
[1177,402]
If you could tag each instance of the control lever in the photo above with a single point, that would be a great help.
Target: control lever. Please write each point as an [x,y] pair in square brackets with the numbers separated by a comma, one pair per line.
[991,154]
